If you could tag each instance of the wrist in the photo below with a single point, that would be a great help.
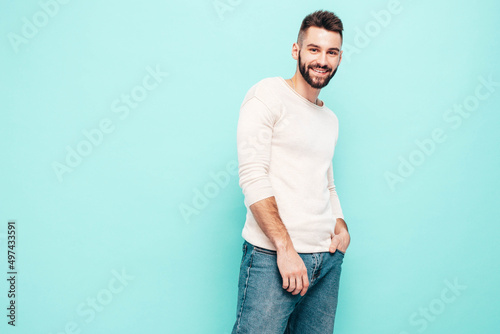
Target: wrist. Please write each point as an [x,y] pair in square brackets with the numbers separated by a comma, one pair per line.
[283,245]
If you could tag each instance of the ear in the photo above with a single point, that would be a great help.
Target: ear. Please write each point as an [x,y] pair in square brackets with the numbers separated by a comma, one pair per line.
[295,51]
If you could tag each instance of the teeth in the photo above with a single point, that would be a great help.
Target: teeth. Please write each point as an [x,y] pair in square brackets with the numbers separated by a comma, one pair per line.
[320,71]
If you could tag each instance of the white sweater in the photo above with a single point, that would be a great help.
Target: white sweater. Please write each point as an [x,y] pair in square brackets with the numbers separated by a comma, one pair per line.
[285,149]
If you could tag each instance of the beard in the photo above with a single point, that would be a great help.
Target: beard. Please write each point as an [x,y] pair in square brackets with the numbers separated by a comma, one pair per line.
[315,82]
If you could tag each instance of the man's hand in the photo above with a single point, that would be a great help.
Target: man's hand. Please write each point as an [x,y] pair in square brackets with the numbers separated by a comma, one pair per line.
[293,271]
[290,264]
[341,239]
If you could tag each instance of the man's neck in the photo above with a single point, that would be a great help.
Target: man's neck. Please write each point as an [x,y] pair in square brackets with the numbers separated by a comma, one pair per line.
[304,89]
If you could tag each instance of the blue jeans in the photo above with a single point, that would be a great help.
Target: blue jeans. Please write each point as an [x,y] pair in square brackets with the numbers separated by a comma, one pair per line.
[264,307]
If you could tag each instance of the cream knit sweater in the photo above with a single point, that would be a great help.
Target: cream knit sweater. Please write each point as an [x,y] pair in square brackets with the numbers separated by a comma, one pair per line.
[285,149]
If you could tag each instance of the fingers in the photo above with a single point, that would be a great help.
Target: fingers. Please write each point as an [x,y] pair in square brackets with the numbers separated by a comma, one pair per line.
[297,284]
[286,282]
[293,284]
[334,245]
[334,249]
[340,241]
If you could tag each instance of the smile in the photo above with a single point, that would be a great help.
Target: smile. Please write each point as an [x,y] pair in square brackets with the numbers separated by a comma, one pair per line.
[317,70]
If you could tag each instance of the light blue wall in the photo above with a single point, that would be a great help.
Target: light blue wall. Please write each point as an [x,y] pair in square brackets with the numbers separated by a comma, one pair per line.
[420,219]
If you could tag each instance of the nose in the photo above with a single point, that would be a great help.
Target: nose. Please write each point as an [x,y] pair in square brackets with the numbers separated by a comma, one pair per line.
[322,60]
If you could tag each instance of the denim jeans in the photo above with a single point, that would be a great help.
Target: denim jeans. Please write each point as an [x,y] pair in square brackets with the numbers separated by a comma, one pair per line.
[264,307]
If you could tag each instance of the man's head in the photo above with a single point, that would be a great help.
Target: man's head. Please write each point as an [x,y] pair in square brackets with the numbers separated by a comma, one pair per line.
[318,47]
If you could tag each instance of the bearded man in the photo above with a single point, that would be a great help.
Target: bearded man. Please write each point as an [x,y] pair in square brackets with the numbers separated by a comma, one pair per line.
[295,236]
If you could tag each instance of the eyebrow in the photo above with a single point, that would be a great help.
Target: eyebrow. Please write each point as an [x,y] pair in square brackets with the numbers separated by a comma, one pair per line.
[317,46]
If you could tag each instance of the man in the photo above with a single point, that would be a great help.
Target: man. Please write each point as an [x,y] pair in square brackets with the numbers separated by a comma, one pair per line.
[295,234]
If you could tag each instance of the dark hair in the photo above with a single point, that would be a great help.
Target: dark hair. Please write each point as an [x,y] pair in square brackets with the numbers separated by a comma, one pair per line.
[321,19]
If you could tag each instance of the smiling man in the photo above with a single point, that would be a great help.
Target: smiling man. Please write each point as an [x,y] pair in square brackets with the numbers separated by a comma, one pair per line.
[295,234]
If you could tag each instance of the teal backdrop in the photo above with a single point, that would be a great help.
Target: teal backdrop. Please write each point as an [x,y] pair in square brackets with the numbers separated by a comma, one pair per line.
[119,162]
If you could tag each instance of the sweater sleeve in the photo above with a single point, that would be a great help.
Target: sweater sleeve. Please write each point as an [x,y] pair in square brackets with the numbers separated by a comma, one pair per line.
[334,198]
[254,134]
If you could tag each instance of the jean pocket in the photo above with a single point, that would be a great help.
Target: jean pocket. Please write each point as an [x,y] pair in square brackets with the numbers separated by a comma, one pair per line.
[264,250]
[340,252]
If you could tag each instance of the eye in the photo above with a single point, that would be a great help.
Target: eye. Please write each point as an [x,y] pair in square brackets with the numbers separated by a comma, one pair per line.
[313,50]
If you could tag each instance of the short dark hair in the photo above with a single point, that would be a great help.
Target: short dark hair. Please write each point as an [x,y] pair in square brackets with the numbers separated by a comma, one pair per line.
[321,19]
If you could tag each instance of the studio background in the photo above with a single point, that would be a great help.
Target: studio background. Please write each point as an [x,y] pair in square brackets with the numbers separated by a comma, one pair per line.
[118,144]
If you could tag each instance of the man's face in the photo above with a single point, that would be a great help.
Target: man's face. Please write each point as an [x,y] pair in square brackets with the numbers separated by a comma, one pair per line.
[319,56]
